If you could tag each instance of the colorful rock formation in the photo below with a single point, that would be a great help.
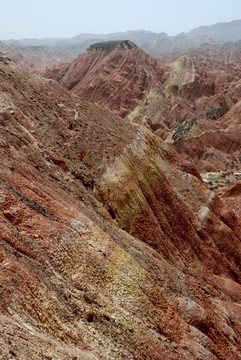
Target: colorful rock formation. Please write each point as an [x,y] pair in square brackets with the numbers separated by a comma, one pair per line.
[112,246]
[191,103]
[116,74]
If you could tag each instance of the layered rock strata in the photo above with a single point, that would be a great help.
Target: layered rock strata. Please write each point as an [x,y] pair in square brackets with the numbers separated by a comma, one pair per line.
[112,247]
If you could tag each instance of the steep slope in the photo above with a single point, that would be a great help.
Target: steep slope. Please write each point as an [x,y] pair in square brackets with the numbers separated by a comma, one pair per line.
[175,100]
[117,75]
[112,247]
[185,108]
[213,143]
[192,107]
[217,154]
[182,101]
[219,145]
[199,112]
[191,97]
[232,196]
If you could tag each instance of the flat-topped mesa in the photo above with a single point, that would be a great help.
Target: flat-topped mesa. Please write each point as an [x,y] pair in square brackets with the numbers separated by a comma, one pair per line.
[115,74]
[109,46]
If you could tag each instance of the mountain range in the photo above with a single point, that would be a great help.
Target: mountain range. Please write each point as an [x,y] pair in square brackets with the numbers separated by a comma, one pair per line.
[46,51]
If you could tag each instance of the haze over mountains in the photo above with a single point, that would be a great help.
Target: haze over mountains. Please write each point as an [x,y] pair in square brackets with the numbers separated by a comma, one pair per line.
[218,33]
[59,50]
[112,245]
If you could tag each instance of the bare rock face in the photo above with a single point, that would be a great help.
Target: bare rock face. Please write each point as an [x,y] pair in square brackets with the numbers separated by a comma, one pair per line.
[198,111]
[112,246]
[207,132]
[179,102]
[190,103]
[232,196]
[217,154]
[116,74]
[192,96]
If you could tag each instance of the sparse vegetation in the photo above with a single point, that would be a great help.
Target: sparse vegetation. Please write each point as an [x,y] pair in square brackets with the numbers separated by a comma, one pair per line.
[108,46]
[183,128]
[216,114]
[214,178]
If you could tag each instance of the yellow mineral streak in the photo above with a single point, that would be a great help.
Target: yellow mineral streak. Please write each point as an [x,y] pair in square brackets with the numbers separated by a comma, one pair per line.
[159,102]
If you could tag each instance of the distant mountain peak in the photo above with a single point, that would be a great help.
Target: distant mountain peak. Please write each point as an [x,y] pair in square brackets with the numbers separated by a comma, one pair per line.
[109,46]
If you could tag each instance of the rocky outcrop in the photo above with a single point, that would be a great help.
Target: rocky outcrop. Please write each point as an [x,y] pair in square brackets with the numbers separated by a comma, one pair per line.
[232,196]
[112,246]
[218,147]
[191,93]
[216,114]
[108,46]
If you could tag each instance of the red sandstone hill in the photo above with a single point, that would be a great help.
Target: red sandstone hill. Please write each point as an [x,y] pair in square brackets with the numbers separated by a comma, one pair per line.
[218,145]
[217,154]
[176,100]
[213,139]
[192,96]
[112,247]
[117,75]
[183,102]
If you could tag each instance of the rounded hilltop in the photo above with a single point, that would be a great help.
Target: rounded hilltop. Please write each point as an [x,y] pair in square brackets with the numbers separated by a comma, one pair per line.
[111,45]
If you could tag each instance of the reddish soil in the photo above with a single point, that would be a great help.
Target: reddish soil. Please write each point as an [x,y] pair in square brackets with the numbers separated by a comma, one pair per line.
[232,196]
[193,103]
[219,146]
[112,246]
[212,142]
[178,102]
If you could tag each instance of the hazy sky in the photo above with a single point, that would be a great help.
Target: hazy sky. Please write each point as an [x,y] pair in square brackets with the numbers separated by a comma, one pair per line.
[67,18]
